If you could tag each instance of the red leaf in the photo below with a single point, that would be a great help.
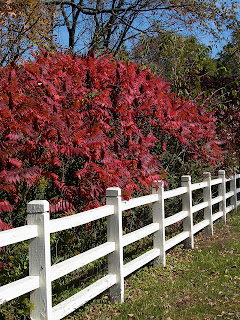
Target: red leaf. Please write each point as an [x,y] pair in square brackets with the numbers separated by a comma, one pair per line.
[4,226]
[5,206]
[56,161]
[164,146]
[15,162]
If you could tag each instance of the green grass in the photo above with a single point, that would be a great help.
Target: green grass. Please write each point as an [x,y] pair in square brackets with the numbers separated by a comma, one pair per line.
[203,283]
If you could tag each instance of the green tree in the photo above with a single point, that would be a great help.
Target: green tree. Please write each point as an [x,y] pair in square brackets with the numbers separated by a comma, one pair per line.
[182,61]
[211,83]
[227,91]
[229,57]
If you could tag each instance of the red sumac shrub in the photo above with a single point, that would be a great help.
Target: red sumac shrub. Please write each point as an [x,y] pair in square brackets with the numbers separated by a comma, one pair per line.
[80,125]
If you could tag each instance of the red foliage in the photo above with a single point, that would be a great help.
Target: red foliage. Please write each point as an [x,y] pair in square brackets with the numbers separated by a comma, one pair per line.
[87,124]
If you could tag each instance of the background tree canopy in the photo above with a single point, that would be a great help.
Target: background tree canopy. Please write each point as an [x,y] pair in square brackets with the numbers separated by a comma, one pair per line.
[229,57]
[104,25]
[25,24]
[179,59]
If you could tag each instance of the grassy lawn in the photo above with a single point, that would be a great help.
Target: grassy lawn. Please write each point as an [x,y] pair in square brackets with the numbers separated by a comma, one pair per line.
[203,283]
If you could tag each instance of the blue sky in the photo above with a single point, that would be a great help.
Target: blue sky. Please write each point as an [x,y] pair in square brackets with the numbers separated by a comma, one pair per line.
[216,45]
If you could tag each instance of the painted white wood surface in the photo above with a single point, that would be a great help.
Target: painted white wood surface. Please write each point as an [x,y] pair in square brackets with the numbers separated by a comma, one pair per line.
[77,300]
[187,206]
[175,218]
[114,234]
[217,215]
[200,225]
[62,268]
[199,206]
[175,192]
[40,260]
[229,208]
[198,185]
[216,181]
[176,239]
[159,218]
[140,261]
[217,200]
[136,202]
[16,235]
[207,196]
[139,234]
[80,218]
[229,194]
[18,288]
[222,192]
[233,188]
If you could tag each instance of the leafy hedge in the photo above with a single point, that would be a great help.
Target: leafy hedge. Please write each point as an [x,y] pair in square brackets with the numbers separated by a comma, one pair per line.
[73,126]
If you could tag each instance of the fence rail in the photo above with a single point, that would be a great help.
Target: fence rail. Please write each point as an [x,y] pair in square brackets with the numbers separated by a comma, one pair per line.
[39,228]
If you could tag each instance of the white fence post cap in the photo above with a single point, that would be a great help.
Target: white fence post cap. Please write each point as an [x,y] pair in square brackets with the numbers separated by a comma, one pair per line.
[159,183]
[221,172]
[37,206]
[113,192]
[207,174]
[185,178]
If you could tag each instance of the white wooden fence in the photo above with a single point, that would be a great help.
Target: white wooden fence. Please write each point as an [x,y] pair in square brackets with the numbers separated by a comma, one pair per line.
[39,228]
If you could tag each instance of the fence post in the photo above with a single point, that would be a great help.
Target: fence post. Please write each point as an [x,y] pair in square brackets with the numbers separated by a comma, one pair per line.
[159,217]
[222,192]
[233,187]
[40,259]
[187,206]
[114,234]
[237,189]
[207,197]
